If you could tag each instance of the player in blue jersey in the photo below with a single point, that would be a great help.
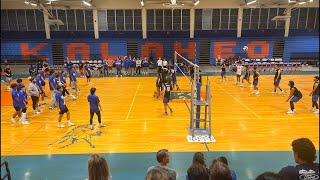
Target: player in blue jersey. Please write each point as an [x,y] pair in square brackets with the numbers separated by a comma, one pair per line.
[88,73]
[40,89]
[315,95]
[15,100]
[126,64]
[52,85]
[62,108]
[118,64]
[277,79]
[73,81]
[294,96]
[166,98]
[246,77]
[95,107]
[23,100]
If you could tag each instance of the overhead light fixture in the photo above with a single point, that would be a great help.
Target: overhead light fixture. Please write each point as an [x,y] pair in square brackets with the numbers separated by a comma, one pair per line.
[26,2]
[248,3]
[86,3]
[48,2]
[197,2]
[33,4]
[302,3]
[311,1]
[292,1]
[142,3]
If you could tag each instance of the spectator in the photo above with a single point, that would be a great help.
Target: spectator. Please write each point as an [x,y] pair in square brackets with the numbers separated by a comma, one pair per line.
[32,70]
[163,157]
[269,176]
[198,170]
[219,171]
[304,155]
[98,168]
[155,174]
[225,161]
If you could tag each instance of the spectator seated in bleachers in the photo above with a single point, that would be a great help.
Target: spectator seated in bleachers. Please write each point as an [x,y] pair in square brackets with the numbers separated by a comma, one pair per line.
[269,176]
[304,153]
[198,170]
[98,168]
[32,70]
[155,174]
[219,171]
[225,161]
[163,157]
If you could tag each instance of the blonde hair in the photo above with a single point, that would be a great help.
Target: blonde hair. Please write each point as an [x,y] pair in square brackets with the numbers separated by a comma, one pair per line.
[98,168]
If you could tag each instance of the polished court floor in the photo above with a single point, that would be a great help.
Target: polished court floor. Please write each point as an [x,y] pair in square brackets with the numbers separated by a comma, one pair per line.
[253,131]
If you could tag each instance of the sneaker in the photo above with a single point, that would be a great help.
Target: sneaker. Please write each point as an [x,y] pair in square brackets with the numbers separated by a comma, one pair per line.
[51,107]
[91,127]
[290,112]
[20,119]
[25,123]
[71,124]
[13,120]
[316,112]
[36,112]
[281,92]
[61,126]
[165,114]
[257,93]
[241,85]
[101,125]
[273,92]
[251,85]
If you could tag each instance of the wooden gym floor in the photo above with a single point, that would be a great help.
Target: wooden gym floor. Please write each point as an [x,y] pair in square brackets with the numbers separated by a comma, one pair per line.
[134,123]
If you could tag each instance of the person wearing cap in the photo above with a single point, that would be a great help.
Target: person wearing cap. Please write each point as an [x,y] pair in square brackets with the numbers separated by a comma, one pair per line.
[15,100]
[95,107]
[62,108]
[34,93]
[23,104]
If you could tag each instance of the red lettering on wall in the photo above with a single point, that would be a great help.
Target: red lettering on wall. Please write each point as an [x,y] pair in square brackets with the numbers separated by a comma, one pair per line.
[155,48]
[220,50]
[78,48]
[190,50]
[264,49]
[104,49]
[26,52]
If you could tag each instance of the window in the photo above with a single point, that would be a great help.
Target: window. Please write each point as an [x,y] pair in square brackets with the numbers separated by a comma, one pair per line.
[198,19]
[185,19]
[137,20]
[102,20]
[80,20]
[120,20]
[31,20]
[159,19]
[206,19]
[294,18]
[302,18]
[150,20]
[216,19]
[62,17]
[246,18]
[4,21]
[272,13]
[71,20]
[89,20]
[111,20]
[263,23]
[129,20]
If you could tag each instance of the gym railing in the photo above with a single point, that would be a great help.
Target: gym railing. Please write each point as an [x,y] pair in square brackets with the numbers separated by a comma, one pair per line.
[7,174]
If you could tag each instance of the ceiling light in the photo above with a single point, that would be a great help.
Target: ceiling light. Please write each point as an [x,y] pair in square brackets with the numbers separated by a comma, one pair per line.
[48,2]
[32,4]
[197,2]
[86,3]
[142,3]
[251,2]
[26,2]
[292,1]
[311,1]
[302,3]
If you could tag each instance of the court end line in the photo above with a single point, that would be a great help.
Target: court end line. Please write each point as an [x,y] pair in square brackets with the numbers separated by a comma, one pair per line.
[133,101]
[238,101]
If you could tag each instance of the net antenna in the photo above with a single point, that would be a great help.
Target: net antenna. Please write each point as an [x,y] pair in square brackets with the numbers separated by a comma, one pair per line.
[200,107]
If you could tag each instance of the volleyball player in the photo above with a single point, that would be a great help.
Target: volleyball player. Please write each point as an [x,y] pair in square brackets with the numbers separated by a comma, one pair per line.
[223,71]
[166,98]
[158,85]
[95,107]
[81,64]
[15,100]
[315,96]
[246,77]
[239,69]
[118,64]
[294,96]
[62,108]
[174,77]
[73,81]
[277,79]
[88,73]
[160,64]
[20,84]
[40,88]
[255,81]
[52,85]
[8,74]
[23,104]
[43,80]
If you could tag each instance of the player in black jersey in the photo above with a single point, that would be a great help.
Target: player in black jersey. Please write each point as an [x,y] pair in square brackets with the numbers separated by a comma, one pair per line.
[294,96]
[277,79]
[158,86]
[315,96]
[246,77]
[166,98]
[255,81]
[223,71]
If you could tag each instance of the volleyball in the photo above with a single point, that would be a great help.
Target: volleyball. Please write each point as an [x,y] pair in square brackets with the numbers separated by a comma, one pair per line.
[245,48]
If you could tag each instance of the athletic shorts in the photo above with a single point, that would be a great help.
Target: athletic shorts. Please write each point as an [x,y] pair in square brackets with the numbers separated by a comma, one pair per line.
[9,78]
[41,91]
[165,100]
[174,79]
[223,73]
[145,65]
[126,67]
[17,108]
[43,83]
[255,82]
[89,76]
[276,82]
[295,99]
[238,75]
[246,78]
[24,110]
[315,98]
[64,111]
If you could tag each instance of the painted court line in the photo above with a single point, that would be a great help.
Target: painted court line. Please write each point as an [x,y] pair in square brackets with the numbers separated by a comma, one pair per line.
[133,101]
[238,101]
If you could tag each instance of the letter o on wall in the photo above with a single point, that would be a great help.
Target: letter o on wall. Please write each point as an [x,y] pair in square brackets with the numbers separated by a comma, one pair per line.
[264,49]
